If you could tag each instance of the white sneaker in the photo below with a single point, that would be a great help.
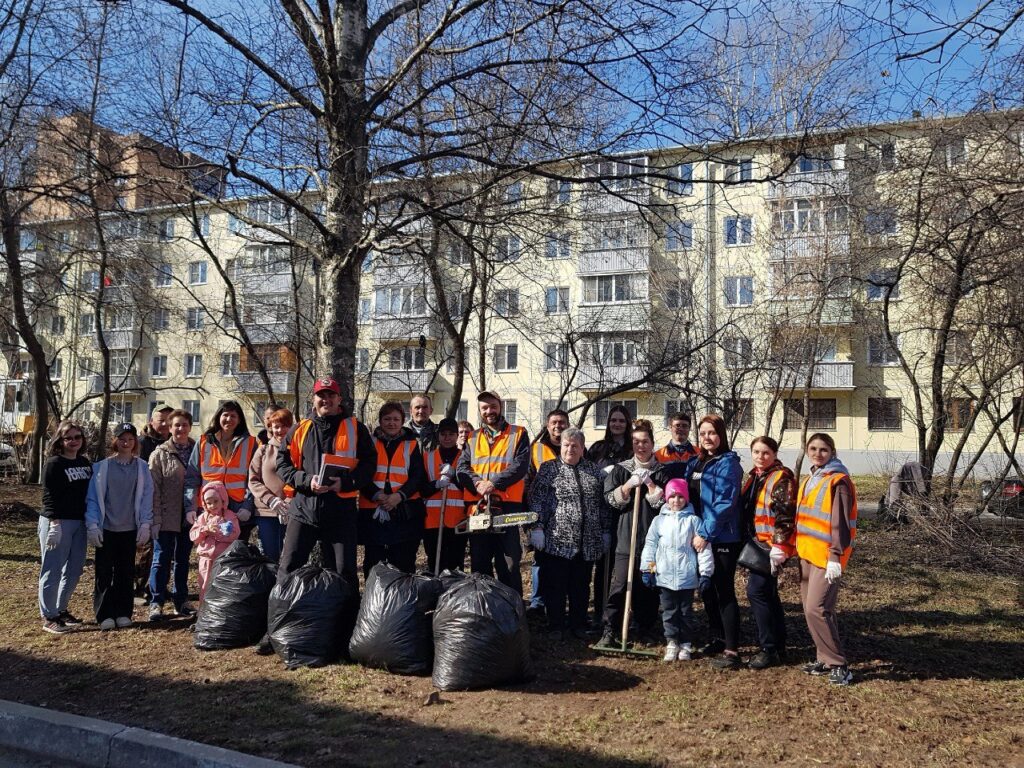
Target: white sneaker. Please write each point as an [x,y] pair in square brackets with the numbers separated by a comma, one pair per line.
[122,622]
[107,624]
[671,650]
[685,652]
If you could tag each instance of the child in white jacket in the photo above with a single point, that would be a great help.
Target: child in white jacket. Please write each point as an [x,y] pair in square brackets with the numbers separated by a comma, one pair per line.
[675,567]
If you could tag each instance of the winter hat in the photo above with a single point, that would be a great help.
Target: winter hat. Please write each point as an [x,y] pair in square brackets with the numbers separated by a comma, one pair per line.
[217,487]
[677,487]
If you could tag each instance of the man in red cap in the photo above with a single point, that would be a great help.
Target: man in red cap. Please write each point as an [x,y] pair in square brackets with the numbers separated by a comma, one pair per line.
[494,463]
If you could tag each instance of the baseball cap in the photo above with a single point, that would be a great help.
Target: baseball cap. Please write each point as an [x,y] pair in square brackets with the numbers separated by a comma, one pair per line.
[327,384]
[487,395]
[161,409]
[127,427]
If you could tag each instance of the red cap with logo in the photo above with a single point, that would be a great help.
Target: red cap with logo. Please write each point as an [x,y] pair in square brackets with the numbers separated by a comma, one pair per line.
[326,384]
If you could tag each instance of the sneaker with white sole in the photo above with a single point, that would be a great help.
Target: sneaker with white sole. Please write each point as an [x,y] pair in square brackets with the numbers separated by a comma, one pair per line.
[122,622]
[156,612]
[671,651]
[840,676]
[185,609]
[55,627]
[685,652]
[107,624]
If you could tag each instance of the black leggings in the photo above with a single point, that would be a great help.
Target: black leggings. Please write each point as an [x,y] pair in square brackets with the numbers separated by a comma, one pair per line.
[720,597]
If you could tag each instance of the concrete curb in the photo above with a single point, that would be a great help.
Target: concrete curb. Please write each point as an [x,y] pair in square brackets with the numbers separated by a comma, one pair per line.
[89,743]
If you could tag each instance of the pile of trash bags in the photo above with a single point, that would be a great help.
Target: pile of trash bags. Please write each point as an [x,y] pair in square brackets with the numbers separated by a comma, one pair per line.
[310,617]
[234,612]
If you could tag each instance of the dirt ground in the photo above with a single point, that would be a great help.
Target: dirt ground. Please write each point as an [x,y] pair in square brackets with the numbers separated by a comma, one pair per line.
[938,656]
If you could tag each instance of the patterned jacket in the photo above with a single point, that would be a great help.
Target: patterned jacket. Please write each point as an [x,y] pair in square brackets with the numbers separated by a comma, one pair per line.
[570,503]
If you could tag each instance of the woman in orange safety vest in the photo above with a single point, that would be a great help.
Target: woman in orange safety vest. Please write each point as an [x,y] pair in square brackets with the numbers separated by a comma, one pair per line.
[223,453]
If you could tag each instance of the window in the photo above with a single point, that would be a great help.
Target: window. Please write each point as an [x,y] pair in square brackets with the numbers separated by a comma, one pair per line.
[957,348]
[118,319]
[195,319]
[818,160]
[510,410]
[612,351]
[229,363]
[267,211]
[679,295]
[193,365]
[618,174]
[558,192]
[885,413]
[401,301]
[548,404]
[959,412]
[457,303]
[91,280]
[679,236]
[506,302]
[406,359]
[739,230]
[362,360]
[165,230]
[459,252]
[556,300]
[85,368]
[556,245]
[161,319]
[880,221]
[951,151]
[821,414]
[56,369]
[120,365]
[506,357]
[618,233]
[612,288]
[197,273]
[681,179]
[1018,414]
[514,193]
[192,406]
[86,324]
[602,407]
[364,310]
[57,325]
[740,169]
[164,275]
[121,412]
[268,259]
[675,406]
[158,366]
[506,248]
[204,225]
[556,356]
[738,352]
[880,156]
[881,352]
[739,414]
[739,291]
[881,282]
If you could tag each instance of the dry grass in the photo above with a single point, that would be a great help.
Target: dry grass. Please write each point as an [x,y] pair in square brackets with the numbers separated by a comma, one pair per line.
[938,655]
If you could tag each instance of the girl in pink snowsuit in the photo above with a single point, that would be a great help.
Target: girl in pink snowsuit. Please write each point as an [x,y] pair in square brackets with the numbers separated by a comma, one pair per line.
[213,530]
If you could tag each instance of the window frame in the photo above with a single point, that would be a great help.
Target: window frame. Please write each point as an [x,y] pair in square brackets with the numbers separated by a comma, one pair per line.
[883,421]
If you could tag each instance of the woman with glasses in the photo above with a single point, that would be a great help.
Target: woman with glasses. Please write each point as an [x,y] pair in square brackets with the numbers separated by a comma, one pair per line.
[62,537]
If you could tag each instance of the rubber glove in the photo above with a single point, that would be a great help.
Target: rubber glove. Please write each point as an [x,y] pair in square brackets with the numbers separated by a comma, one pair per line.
[142,535]
[537,539]
[833,572]
[53,535]
[95,536]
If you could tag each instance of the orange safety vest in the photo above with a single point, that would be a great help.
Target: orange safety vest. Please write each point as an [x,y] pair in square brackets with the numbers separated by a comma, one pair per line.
[492,459]
[395,470]
[764,516]
[540,453]
[665,456]
[454,502]
[345,444]
[234,472]
[814,518]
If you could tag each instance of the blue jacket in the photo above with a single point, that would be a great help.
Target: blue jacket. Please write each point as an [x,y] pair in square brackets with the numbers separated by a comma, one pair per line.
[669,546]
[720,484]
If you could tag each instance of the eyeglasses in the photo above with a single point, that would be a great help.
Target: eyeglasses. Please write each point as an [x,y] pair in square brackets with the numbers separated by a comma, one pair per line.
[71,438]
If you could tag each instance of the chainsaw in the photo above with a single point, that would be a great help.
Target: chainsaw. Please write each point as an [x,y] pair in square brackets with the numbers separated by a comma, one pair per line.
[487,516]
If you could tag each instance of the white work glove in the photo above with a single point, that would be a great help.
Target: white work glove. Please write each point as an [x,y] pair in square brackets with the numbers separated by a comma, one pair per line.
[280,508]
[537,539]
[142,535]
[833,572]
[53,535]
[190,517]
[633,482]
[95,536]
[443,482]
[381,515]
[777,556]
[243,514]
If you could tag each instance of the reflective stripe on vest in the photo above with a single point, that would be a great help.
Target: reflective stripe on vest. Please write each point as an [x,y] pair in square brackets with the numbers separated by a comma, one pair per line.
[234,472]
[490,460]
[345,445]
[541,452]
[454,502]
[395,470]
[814,519]
[667,456]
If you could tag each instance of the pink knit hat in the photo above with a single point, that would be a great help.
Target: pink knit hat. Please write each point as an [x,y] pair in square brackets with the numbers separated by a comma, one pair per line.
[677,487]
[217,487]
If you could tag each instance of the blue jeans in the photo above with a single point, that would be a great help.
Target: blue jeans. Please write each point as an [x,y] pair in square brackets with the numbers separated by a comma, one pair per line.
[170,547]
[271,534]
[536,598]
[61,567]
[677,614]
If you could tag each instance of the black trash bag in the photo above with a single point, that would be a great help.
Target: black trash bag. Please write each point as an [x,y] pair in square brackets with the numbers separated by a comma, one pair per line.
[480,636]
[310,617]
[393,630]
[233,613]
[450,578]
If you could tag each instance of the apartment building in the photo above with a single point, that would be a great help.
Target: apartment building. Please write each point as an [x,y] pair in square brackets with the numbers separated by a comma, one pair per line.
[765,280]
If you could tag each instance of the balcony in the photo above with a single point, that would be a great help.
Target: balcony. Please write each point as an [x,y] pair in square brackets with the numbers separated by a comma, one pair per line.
[119,339]
[809,246]
[392,271]
[815,184]
[801,310]
[250,280]
[831,375]
[405,328]
[624,317]
[598,201]
[270,333]
[118,383]
[598,377]
[402,381]
[610,261]
[251,383]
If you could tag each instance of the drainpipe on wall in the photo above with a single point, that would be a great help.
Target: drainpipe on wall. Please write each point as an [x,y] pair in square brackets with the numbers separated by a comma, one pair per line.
[710,248]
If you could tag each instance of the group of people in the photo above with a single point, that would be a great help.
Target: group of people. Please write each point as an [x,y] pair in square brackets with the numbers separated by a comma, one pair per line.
[328,479]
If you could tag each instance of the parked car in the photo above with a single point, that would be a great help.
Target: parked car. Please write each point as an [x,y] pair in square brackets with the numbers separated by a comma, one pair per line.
[8,460]
[1007,501]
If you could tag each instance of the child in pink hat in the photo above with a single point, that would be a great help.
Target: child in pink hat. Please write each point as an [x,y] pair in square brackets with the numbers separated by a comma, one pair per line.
[213,530]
